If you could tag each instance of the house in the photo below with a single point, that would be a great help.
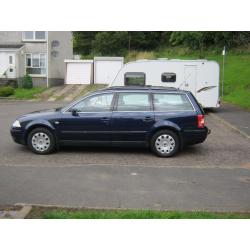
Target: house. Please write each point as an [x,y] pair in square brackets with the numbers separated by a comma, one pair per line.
[40,54]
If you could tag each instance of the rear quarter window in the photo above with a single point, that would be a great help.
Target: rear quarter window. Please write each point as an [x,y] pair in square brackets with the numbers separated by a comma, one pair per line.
[171,102]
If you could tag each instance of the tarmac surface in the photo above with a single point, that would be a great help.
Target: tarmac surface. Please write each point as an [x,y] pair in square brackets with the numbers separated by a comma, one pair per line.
[214,175]
[236,116]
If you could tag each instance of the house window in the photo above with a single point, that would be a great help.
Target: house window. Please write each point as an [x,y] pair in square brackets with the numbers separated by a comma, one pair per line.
[34,36]
[136,78]
[168,77]
[28,35]
[40,35]
[36,64]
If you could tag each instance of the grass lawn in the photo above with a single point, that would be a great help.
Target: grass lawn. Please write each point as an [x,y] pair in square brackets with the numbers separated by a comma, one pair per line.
[56,213]
[21,93]
[237,69]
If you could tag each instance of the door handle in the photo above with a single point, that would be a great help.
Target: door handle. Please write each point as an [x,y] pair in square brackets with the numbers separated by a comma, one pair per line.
[148,119]
[105,119]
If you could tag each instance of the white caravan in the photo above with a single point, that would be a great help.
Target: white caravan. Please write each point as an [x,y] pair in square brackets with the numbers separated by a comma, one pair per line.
[201,77]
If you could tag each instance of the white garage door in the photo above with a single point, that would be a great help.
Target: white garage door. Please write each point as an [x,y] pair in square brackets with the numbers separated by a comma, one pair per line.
[79,73]
[105,71]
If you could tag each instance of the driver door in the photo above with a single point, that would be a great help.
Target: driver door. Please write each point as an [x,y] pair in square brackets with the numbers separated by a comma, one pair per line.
[90,123]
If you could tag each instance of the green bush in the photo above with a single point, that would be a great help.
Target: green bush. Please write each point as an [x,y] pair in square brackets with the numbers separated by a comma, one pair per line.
[6,91]
[27,82]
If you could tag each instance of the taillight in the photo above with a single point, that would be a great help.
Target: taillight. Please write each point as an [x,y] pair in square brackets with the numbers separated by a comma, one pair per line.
[201,121]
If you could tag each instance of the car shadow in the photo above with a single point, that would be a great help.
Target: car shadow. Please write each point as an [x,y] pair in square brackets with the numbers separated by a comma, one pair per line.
[189,150]
[96,149]
[193,149]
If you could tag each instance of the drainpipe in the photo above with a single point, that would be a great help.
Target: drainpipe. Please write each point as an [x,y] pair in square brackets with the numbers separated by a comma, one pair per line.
[47,64]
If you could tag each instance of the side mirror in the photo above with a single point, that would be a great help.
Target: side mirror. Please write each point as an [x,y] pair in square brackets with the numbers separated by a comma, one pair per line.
[74,112]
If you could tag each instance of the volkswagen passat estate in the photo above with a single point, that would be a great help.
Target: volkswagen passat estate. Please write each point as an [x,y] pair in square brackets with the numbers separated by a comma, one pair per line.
[164,119]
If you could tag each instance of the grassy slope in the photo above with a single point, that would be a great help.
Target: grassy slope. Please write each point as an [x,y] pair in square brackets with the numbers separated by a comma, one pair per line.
[53,213]
[237,69]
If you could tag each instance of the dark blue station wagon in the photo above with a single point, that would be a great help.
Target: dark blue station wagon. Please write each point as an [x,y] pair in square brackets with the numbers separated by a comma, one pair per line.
[164,119]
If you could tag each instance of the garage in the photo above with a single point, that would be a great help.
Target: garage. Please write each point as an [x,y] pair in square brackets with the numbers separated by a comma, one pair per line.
[106,68]
[79,71]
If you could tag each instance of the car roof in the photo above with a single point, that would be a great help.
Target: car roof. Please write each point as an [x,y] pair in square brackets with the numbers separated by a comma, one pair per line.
[140,88]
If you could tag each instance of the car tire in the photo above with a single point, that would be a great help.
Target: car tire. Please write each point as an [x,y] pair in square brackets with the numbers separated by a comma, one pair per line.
[165,143]
[41,141]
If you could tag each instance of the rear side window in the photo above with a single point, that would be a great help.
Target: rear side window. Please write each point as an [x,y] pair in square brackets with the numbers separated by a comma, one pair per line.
[171,102]
[135,78]
[133,102]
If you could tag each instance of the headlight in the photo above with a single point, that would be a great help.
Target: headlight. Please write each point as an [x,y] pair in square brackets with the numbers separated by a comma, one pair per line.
[16,124]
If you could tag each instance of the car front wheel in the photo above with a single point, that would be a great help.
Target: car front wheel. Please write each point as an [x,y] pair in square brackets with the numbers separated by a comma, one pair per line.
[165,143]
[41,141]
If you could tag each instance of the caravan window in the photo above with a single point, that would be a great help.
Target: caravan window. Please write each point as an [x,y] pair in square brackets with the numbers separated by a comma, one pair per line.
[135,78]
[168,77]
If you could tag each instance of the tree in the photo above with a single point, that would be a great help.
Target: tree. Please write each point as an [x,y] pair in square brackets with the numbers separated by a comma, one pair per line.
[111,43]
[204,39]
[192,39]
[144,40]
[82,41]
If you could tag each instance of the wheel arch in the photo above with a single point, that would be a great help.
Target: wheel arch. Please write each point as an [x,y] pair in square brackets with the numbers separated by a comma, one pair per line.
[174,129]
[33,126]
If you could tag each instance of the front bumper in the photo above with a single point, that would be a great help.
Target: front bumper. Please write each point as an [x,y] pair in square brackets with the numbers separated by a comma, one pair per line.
[195,136]
[18,135]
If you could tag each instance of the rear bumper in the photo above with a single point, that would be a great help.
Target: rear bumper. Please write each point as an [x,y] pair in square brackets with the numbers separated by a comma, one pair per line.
[17,136]
[195,136]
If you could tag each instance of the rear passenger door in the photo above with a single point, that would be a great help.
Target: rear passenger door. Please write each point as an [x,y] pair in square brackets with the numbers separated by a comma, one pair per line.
[132,118]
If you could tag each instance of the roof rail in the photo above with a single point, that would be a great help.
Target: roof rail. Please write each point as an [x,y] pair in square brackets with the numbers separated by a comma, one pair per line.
[142,87]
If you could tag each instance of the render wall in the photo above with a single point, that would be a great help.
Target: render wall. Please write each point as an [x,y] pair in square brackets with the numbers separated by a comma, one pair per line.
[57,54]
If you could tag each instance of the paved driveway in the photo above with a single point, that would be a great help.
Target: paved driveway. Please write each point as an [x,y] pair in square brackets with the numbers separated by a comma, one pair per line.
[214,175]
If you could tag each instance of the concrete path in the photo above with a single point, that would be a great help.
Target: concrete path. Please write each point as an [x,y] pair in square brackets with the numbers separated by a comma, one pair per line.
[235,116]
[15,213]
[67,93]
[49,92]
[61,93]
[75,92]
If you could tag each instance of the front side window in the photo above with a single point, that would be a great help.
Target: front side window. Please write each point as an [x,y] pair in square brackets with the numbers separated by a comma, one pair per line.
[34,36]
[36,63]
[133,102]
[136,78]
[99,103]
[171,102]
[168,77]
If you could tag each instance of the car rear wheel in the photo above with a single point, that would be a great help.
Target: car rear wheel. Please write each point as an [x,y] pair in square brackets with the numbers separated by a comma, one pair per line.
[165,143]
[41,141]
